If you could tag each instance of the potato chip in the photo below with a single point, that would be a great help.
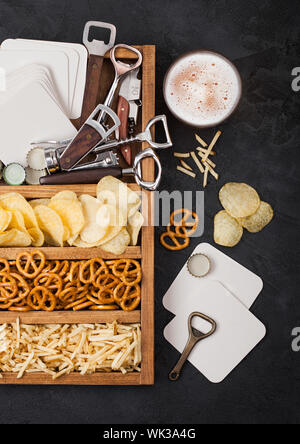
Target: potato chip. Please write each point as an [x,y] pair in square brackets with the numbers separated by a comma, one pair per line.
[35,202]
[14,201]
[239,199]
[5,219]
[134,226]
[228,232]
[71,214]
[259,220]
[114,192]
[67,234]
[117,220]
[118,244]
[15,238]
[37,237]
[93,232]
[17,221]
[51,225]
[65,195]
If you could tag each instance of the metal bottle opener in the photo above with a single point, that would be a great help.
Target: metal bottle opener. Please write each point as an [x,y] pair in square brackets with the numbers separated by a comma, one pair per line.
[88,137]
[94,175]
[54,152]
[97,50]
[194,337]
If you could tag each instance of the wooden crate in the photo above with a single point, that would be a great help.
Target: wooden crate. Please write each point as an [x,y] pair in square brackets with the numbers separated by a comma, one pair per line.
[143,252]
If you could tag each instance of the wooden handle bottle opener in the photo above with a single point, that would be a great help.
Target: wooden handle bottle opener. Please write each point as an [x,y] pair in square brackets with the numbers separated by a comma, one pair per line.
[88,137]
[97,50]
[195,336]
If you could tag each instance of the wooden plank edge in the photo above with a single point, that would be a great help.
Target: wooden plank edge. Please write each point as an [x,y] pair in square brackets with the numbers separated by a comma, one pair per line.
[72,253]
[73,379]
[71,317]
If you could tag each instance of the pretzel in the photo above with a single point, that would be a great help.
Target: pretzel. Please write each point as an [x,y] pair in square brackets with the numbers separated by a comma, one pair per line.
[173,236]
[107,281]
[4,265]
[104,307]
[89,271]
[183,222]
[128,270]
[40,298]
[27,266]
[51,281]
[22,285]
[128,297]
[73,275]
[8,287]
[20,309]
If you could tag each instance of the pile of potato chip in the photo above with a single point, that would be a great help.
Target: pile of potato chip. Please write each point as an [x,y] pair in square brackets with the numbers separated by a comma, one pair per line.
[242,209]
[111,221]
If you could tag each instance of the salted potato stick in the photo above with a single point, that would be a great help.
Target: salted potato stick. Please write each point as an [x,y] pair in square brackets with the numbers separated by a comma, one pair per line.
[189,173]
[213,142]
[182,155]
[197,162]
[205,177]
[204,151]
[185,165]
[201,141]
[208,161]
[212,172]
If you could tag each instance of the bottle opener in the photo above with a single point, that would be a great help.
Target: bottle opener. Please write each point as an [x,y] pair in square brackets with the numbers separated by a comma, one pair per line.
[195,336]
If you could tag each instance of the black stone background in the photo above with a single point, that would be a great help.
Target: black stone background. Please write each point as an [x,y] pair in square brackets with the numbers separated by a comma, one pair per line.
[259,146]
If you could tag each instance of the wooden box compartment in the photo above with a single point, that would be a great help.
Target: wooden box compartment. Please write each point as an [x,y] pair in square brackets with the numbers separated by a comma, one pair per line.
[144,252]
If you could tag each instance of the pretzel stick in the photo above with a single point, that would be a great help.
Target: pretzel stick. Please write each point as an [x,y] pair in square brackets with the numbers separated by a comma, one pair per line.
[189,173]
[214,141]
[201,141]
[197,162]
[185,165]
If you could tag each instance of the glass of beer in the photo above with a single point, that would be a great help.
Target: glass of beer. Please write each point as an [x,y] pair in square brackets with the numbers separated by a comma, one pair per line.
[202,88]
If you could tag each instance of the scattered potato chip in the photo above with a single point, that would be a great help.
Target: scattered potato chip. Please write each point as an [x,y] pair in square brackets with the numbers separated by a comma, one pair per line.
[239,199]
[51,225]
[67,234]
[71,214]
[259,220]
[14,201]
[228,232]
[15,238]
[114,192]
[35,202]
[134,226]
[17,221]
[65,195]
[5,219]
[37,237]
[118,244]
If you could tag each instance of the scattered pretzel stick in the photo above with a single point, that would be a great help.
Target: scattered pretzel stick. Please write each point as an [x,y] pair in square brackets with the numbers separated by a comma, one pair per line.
[208,161]
[197,162]
[201,141]
[185,165]
[205,177]
[213,142]
[189,173]
[182,155]
[204,151]
[212,172]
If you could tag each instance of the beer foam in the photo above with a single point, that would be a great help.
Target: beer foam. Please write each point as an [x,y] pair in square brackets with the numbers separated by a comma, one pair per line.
[202,89]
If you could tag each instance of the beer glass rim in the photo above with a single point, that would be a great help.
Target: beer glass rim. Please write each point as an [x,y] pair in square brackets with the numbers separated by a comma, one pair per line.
[192,53]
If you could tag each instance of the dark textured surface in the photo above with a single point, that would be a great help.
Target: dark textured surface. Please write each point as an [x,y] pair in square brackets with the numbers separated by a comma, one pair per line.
[259,146]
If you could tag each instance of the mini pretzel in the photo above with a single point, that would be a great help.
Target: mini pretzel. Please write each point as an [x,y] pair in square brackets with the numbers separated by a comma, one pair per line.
[4,266]
[40,298]
[51,281]
[26,263]
[175,245]
[104,307]
[186,215]
[23,288]
[8,287]
[91,269]
[128,297]
[128,270]
[107,281]
[73,275]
